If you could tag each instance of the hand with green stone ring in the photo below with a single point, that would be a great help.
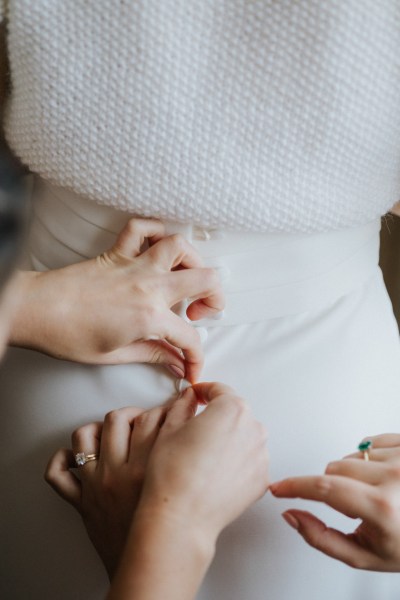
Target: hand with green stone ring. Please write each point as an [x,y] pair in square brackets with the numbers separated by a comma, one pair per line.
[366,489]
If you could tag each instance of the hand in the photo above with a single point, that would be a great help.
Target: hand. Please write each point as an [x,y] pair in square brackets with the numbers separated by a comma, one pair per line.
[108,490]
[367,490]
[116,308]
[161,464]
[205,472]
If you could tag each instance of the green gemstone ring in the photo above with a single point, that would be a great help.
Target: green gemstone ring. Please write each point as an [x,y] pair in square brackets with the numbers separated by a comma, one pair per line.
[365,447]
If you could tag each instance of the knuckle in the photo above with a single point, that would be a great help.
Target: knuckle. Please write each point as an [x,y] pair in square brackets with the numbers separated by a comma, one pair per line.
[132,225]
[178,241]
[150,316]
[385,506]
[79,434]
[112,417]
[156,354]
[323,485]
[149,419]
[142,420]
[393,471]
[331,467]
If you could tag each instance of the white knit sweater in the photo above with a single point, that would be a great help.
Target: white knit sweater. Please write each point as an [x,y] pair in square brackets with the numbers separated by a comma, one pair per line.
[264,115]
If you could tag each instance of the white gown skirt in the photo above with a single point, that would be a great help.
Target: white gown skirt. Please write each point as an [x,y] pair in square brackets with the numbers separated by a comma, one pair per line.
[308,338]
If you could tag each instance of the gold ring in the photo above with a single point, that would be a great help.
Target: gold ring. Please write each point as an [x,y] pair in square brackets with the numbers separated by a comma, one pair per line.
[365,448]
[81,458]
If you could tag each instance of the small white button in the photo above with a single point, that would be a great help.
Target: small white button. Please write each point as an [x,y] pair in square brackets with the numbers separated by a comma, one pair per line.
[181,385]
[201,234]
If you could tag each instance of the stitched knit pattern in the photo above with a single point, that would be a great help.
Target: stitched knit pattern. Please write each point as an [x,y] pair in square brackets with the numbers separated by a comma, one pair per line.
[259,115]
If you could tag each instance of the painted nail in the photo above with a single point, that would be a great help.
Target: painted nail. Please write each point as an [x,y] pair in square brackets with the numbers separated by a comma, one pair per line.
[291,520]
[177,371]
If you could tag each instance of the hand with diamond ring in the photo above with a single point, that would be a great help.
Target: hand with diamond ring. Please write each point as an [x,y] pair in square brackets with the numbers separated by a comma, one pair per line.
[164,483]
[117,308]
[361,489]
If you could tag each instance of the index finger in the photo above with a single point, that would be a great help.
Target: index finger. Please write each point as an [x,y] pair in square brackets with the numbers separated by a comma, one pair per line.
[202,286]
[173,251]
[351,497]
[131,239]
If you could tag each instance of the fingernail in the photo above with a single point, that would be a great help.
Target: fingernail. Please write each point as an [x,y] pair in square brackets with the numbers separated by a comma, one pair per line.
[291,520]
[177,371]
[273,487]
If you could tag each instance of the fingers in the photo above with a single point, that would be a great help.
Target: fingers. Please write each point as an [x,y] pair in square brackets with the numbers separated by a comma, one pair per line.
[379,442]
[183,409]
[197,284]
[116,434]
[331,542]
[151,351]
[136,231]
[353,498]
[184,336]
[368,472]
[61,479]
[146,428]
[378,454]
[173,251]
[385,440]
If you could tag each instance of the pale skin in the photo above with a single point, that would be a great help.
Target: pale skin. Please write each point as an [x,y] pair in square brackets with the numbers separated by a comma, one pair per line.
[160,467]
[366,490]
[116,308]
[148,567]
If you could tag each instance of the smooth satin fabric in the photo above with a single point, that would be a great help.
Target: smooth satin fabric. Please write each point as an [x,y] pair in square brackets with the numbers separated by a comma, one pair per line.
[320,379]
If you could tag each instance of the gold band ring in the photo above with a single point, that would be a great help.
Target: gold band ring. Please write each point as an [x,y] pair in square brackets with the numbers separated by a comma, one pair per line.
[365,448]
[81,458]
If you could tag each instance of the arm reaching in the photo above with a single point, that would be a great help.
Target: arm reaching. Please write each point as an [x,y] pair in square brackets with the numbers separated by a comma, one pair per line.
[117,308]
[366,490]
[165,485]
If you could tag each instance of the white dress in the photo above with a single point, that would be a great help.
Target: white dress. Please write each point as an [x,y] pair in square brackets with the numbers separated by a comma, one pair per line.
[279,119]
[308,338]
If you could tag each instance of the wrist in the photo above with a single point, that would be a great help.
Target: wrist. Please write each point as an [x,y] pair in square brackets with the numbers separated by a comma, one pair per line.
[23,324]
[163,558]
[152,520]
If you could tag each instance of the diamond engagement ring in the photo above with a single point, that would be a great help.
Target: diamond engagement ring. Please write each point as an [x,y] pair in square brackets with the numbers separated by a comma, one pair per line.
[365,447]
[81,458]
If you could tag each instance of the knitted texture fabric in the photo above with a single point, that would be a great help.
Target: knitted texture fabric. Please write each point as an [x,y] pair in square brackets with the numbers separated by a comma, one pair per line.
[260,115]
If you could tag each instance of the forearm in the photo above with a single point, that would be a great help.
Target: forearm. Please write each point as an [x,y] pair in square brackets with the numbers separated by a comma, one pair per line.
[27,326]
[162,559]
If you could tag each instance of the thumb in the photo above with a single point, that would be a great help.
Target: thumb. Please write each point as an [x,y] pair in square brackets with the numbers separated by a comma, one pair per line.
[208,391]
